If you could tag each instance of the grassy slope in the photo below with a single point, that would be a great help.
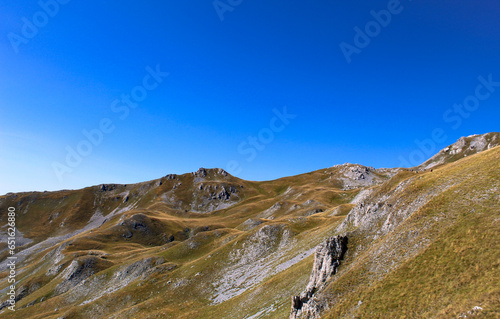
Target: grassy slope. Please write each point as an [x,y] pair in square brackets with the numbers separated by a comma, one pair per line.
[210,234]
[460,267]
[457,264]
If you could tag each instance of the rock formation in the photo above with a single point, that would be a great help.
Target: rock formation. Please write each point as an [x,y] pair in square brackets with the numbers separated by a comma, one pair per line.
[326,261]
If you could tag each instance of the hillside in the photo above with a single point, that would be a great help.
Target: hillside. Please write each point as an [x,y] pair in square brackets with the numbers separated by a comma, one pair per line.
[418,244]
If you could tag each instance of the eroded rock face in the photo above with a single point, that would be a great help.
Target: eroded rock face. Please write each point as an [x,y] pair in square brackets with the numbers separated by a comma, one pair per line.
[107,187]
[251,261]
[326,261]
[210,196]
[201,172]
[356,176]
[465,146]
[80,269]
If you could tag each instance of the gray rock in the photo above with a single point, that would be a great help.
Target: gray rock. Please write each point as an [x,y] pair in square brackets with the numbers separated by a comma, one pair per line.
[80,269]
[326,261]
[223,194]
[222,172]
[107,187]
[201,172]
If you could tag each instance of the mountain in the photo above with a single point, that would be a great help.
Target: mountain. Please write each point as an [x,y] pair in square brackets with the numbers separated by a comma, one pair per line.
[348,241]
[463,147]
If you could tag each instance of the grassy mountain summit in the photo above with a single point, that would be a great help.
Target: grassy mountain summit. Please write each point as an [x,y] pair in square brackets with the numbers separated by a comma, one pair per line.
[420,244]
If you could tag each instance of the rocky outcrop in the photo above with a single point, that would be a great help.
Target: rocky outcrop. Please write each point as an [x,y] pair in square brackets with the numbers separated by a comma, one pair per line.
[98,285]
[201,172]
[107,187]
[210,196]
[326,261]
[223,194]
[354,176]
[252,260]
[80,269]
[465,146]
[222,172]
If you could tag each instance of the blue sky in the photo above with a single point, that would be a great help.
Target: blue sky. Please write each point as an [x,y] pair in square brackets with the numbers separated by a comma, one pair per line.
[231,80]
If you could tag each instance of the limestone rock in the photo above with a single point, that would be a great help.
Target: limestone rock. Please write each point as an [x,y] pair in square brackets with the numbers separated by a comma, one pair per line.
[326,261]
[201,172]
[107,187]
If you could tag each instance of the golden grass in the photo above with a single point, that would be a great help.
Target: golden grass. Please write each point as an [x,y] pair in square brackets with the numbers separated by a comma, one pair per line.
[451,275]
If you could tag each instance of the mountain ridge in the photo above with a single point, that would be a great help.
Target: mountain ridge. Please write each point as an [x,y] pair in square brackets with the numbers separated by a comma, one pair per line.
[207,244]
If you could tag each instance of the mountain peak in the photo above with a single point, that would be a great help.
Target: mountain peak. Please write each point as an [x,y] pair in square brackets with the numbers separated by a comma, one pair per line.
[204,172]
[464,146]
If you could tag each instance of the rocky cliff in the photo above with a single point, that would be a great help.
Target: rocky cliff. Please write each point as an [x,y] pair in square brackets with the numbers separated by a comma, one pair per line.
[326,261]
[465,146]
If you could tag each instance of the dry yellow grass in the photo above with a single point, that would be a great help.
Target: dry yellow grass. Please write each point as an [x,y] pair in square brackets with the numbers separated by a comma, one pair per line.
[453,272]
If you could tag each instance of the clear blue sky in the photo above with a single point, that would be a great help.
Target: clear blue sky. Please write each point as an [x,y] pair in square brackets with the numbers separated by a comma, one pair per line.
[225,78]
